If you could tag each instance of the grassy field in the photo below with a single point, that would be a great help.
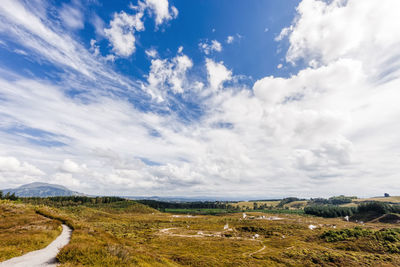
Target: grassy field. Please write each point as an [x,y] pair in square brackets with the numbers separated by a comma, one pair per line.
[199,211]
[394,199]
[22,230]
[131,234]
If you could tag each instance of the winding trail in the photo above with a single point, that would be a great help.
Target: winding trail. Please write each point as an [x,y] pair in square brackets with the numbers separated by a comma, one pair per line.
[45,257]
[255,252]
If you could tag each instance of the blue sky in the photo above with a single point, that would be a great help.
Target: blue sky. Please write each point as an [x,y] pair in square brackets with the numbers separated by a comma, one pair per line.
[201,98]
[210,20]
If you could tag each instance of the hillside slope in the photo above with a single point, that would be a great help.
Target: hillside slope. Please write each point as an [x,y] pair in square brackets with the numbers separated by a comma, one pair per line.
[41,190]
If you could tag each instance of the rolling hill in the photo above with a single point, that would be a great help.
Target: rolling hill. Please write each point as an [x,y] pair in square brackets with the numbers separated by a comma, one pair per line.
[41,190]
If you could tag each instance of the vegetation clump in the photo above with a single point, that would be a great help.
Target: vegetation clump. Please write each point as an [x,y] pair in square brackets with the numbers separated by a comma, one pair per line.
[330,211]
[336,200]
[366,211]
[345,234]
[8,196]
[384,239]
[287,201]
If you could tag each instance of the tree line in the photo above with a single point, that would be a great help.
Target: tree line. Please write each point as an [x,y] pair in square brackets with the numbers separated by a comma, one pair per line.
[70,200]
[161,205]
[332,211]
[337,200]
[8,196]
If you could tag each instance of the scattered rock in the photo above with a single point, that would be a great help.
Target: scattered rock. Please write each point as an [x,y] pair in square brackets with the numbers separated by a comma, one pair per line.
[312,227]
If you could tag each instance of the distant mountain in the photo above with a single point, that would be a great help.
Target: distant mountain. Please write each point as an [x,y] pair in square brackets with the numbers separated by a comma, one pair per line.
[41,190]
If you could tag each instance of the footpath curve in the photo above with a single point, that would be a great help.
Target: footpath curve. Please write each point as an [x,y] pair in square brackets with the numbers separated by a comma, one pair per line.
[45,257]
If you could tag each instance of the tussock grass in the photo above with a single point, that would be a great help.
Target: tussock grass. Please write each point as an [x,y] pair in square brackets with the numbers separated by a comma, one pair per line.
[130,234]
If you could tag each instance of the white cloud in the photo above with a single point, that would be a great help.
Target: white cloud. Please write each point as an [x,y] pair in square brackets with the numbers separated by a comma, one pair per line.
[72,167]
[151,53]
[167,74]
[21,52]
[330,154]
[364,30]
[230,39]
[180,49]
[217,74]
[13,165]
[161,10]
[284,33]
[209,47]
[123,26]
[94,48]
[30,31]
[72,16]
[121,32]
[98,24]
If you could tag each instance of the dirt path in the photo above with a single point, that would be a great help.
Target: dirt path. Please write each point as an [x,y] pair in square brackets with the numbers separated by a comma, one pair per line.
[255,252]
[43,257]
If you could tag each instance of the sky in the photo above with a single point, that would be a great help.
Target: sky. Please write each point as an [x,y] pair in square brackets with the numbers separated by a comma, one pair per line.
[229,98]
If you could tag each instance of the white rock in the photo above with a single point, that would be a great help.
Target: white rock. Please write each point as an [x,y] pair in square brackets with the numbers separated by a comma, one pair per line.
[312,227]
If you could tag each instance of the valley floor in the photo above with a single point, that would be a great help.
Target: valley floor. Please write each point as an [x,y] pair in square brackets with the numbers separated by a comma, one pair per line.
[131,234]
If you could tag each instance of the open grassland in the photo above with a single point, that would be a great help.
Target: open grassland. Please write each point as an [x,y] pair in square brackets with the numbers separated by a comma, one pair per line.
[394,199]
[22,230]
[131,234]
[199,211]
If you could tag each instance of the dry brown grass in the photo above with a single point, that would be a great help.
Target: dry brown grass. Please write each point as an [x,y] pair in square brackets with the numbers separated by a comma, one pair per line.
[22,230]
[126,238]
[394,199]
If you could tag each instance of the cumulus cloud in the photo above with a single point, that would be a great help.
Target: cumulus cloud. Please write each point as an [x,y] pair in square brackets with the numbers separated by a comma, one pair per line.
[362,30]
[121,32]
[167,74]
[209,47]
[217,74]
[70,166]
[123,26]
[330,154]
[11,164]
[161,10]
[230,39]
[13,172]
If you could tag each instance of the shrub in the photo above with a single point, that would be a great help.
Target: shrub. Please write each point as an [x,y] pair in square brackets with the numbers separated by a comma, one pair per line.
[345,234]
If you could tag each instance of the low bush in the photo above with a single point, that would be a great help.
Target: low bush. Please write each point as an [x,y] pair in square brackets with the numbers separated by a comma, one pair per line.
[345,234]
